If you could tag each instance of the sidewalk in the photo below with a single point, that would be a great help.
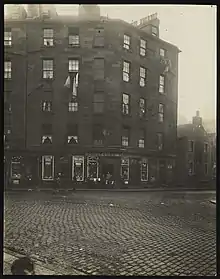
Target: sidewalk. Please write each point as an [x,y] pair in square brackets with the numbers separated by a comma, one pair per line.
[40,267]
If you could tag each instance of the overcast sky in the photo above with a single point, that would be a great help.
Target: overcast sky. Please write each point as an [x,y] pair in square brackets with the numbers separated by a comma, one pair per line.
[193,29]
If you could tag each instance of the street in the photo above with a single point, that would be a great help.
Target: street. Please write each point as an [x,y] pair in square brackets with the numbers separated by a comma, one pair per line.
[115,233]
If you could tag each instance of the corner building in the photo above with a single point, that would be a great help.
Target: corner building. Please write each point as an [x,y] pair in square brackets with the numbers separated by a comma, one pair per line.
[89,95]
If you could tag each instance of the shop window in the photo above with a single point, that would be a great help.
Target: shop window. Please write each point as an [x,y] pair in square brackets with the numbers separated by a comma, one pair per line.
[144,169]
[15,168]
[47,167]
[92,167]
[125,168]
[78,168]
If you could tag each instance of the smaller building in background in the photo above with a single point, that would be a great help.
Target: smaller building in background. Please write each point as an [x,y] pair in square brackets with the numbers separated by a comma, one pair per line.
[194,160]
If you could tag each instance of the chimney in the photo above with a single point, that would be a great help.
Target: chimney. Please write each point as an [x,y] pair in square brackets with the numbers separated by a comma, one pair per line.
[150,24]
[90,12]
[197,120]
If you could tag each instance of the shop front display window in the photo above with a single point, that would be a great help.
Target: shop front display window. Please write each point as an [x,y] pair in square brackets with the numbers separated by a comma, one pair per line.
[92,167]
[144,170]
[47,167]
[78,168]
[125,168]
[15,168]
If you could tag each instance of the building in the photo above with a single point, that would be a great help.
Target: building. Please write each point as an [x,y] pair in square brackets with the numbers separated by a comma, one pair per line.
[193,153]
[87,96]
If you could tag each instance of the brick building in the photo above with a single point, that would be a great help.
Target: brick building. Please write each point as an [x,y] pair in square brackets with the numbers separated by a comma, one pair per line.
[194,153]
[87,96]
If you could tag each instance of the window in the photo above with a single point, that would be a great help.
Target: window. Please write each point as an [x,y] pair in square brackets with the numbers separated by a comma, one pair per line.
[99,68]
[98,102]
[191,168]
[78,168]
[126,71]
[125,104]
[161,84]
[206,147]
[7,37]
[73,106]
[125,168]
[16,168]
[142,77]
[47,106]
[160,141]
[73,36]
[46,139]
[162,52]
[125,136]
[99,40]
[127,42]
[92,167]
[144,169]
[48,68]
[47,167]
[7,70]
[98,135]
[161,113]
[141,139]
[143,47]
[72,132]
[154,31]
[142,107]
[48,37]
[206,168]
[73,65]
[191,146]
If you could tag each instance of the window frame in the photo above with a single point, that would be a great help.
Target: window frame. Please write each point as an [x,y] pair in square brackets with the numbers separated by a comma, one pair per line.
[161,108]
[8,70]
[49,69]
[143,49]
[73,106]
[126,71]
[48,37]
[162,84]
[8,38]
[125,106]
[127,42]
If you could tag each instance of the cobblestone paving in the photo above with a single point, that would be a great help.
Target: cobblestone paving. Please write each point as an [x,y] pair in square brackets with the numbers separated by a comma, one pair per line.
[115,233]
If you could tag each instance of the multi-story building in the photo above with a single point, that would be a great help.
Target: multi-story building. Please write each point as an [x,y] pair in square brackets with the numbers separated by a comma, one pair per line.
[88,95]
[193,153]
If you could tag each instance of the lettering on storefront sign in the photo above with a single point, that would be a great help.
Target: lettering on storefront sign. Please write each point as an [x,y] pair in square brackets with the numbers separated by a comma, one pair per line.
[105,155]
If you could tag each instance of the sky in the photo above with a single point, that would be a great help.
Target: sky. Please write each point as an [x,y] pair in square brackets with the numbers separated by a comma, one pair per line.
[193,29]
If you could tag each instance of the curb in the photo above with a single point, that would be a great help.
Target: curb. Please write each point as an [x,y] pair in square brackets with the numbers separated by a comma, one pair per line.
[41,268]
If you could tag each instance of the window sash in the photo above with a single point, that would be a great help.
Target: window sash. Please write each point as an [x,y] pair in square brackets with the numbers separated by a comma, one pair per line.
[46,106]
[160,117]
[162,80]
[162,52]
[126,99]
[142,72]
[161,89]
[125,140]
[160,141]
[141,143]
[48,65]
[143,44]
[154,30]
[48,33]
[45,138]
[73,106]
[126,67]
[73,65]
[7,38]
[127,41]
[161,108]
[7,69]
[48,37]
[69,138]
[74,40]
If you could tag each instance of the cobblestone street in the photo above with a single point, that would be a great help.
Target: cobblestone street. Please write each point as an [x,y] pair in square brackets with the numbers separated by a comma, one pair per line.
[115,233]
